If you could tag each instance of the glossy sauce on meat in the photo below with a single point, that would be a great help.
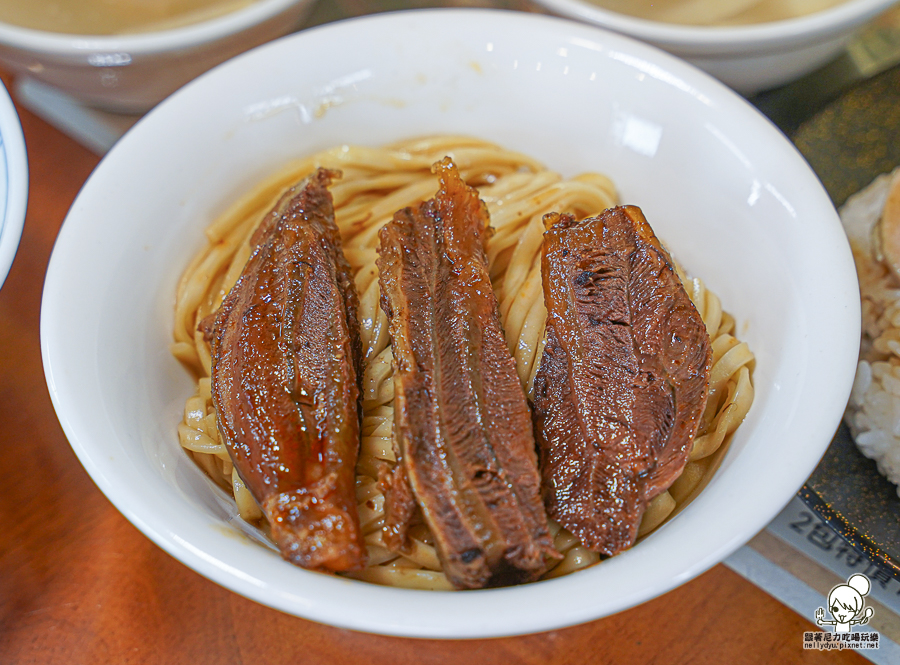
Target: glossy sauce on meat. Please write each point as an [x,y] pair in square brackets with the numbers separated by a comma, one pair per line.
[285,377]
[462,427]
[623,379]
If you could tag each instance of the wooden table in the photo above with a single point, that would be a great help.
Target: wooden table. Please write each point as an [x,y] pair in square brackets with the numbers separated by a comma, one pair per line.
[80,584]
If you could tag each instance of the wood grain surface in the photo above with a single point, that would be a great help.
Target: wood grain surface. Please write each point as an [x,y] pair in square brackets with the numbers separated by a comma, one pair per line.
[80,584]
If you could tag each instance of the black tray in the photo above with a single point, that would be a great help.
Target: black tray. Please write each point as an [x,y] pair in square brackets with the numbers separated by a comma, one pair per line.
[848,143]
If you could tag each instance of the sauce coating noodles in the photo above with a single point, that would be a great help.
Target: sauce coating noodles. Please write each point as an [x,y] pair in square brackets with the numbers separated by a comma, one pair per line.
[376,183]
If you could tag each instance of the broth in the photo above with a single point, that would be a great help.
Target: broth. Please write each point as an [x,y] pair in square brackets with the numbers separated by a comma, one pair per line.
[108,17]
[716,12]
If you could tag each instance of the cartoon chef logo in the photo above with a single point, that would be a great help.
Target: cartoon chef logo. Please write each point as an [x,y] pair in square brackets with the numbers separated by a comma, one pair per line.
[846,605]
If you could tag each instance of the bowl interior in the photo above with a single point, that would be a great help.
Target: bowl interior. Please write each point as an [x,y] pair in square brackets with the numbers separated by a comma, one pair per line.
[730,196]
[781,34]
[178,36]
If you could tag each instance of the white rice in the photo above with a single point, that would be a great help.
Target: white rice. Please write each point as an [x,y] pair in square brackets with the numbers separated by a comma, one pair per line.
[873,414]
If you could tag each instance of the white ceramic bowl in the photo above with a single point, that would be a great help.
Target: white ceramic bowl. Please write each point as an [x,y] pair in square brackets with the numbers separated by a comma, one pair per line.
[13,182]
[733,199]
[748,58]
[132,72]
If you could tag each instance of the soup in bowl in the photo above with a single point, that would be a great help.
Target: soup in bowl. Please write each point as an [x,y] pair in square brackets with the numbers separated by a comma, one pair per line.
[751,45]
[723,12]
[128,56]
[99,17]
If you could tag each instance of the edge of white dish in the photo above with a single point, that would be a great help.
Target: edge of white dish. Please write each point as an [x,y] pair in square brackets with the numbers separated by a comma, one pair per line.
[15,172]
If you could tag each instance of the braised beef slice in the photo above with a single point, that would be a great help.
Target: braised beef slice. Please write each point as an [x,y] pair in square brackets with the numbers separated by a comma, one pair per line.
[623,379]
[462,426]
[286,380]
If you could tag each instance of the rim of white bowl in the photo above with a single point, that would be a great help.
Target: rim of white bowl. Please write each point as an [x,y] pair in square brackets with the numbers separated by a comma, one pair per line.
[171,39]
[804,29]
[12,216]
[413,613]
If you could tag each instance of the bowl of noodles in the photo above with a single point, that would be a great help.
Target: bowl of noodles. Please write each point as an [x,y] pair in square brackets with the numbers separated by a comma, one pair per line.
[751,45]
[539,115]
